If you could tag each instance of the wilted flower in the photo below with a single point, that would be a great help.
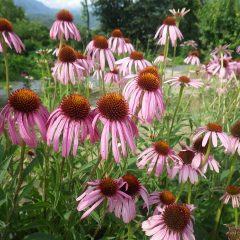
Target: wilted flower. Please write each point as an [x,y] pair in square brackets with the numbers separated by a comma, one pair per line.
[193,58]
[179,13]
[222,50]
[44,51]
[232,193]
[189,43]
[185,81]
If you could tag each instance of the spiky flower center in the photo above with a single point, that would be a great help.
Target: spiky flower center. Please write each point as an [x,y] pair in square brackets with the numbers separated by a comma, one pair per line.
[127,40]
[150,69]
[117,33]
[176,217]
[75,107]
[148,82]
[67,54]
[64,15]
[108,187]
[195,53]
[24,100]
[167,198]
[225,63]
[114,71]
[113,107]
[170,21]
[197,146]
[214,127]
[235,129]
[162,147]
[184,79]
[135,55]
[5,25]
[80,55]
[100,42]
[186,156]
[132,183]
[233,190]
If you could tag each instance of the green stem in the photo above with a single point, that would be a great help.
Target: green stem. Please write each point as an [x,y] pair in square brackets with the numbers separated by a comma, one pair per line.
[189,192]
[180,191]
[207,154]
[236,216]
[130,234]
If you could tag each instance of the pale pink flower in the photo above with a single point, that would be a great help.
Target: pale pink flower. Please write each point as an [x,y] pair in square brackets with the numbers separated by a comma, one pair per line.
[232,193]
[160,59]
[128,47]
[112,77]
[234,139]
[116,41]
[113,112]
[222,50]
[189,43]
[204,71]
[99,52]
[101,190]
[10,38]
[212,131]
[179,13]
[84,62]
[132,64]
[21,114]
[157,156]
[168,29]
[143,89]
[175,222]
[193,58]
[64,27]
[238,50]
[98,73]
[71,122]
[185,81]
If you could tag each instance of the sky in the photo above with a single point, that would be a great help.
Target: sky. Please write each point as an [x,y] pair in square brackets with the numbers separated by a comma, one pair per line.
[61,3]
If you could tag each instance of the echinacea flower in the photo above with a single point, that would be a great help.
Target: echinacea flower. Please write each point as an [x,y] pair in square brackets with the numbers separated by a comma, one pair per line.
[234,139]
[232,193]
[99,52]
[67,68]
[193,58]
[113,112]
[98,74]
[116,41]
[64,27]
[185,81]
[179,13]
[142,90]
[99,191]
[70,123]
[132,188]
[84,62]
[157,156]
[238,50]
[175,222]
[160,59]
[168,30]
[206,74]
[132,64]
[128,47]
[112,77]
[8,37]
[21,114]
[222,50]
[212,131]
[189,43]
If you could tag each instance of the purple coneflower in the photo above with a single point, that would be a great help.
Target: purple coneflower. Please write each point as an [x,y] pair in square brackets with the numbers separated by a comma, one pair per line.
[116,41]
[135,61]
[232,193]
[193,58]
[157,156]
[64,27]
[113,112]
[179,13]
[142,90]
[98,73]
[189,43]
[71,122]
[21,114]
[160,59]
[175,222]
[222,50]
[99,52]
[238,50]
[128,47]
[100,190]
[112,77]
[8,37]
[168,30]
[234,139]
[67,68]
[84,62]
[185,81]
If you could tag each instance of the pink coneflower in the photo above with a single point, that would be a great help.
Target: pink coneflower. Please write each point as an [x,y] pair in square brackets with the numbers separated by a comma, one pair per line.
[238,50]
[128,47]
[175,222]
[98,73]
[132,188]
[222,50]
[189,43]
[185,81]
[100,190]
[10,38]
[232,193]
[99,52]
[179,13]
[160,59]
[157,156]
[67,68]
[22,113]
[116,41]
[193,58]
[112,77]
[71,122]
[212,131]
[132,64]
[234,139]
[64,27]
[168,30]
[84,62]
[113,112]
[142,90]
[204,71]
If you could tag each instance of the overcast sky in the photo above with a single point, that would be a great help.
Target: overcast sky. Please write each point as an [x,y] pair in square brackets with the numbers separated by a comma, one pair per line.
[61,3]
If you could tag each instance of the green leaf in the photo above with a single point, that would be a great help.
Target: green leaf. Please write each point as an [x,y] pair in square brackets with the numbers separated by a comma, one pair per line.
[39,236]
